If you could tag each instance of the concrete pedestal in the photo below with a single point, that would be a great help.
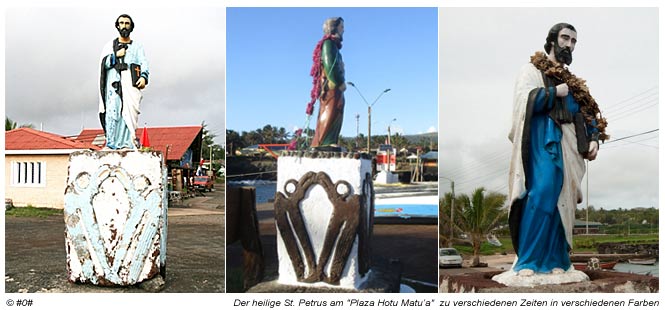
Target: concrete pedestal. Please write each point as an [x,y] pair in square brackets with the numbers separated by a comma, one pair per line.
[324,210]
[385,277]
[386,177]
[115,215]
[601,281]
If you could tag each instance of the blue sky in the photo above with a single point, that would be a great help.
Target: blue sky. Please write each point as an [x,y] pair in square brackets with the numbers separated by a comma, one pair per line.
[269,56]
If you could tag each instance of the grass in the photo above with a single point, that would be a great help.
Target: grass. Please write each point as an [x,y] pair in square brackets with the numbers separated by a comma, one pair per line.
[487,249]
[582,243]
[588,243]
[31,211]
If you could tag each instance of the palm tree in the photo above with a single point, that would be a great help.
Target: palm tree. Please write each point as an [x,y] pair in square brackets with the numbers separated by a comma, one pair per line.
[480,214]
[11,125]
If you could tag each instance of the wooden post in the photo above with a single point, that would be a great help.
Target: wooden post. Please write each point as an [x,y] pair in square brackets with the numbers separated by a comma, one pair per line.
[242,224]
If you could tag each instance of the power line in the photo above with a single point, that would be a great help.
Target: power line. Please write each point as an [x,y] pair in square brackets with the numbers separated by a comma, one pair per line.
[630,98]
[632,136]
[629,143]
[653,103]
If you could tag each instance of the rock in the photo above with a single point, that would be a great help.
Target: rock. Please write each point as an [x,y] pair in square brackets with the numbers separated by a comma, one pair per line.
[153,285]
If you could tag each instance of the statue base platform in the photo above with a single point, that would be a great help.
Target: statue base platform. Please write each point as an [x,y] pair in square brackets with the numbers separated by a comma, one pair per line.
[115,215]
[384,277]
[512,278]
[600,281]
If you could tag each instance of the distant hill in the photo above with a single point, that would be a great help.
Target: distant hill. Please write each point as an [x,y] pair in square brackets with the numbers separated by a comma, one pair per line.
[417,137]
[432,137]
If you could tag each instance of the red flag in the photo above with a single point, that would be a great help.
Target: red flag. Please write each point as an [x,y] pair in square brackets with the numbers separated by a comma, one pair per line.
[145,142]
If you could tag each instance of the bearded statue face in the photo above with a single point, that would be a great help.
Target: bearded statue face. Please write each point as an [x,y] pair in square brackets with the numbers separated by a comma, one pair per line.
[563,48]
[124,26]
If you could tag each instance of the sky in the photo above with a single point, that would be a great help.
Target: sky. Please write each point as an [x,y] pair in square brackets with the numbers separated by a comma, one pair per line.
[616,53]
[52,66]
[269,58]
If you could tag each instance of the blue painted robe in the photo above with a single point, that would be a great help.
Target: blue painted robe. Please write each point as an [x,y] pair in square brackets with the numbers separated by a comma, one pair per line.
[546,171]
[119,114]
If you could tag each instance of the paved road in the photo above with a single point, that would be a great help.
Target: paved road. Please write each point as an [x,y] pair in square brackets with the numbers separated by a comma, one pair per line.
[414,245]
[35,259]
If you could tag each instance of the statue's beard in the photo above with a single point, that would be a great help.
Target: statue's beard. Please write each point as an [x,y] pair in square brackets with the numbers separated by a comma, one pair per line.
[563,54]
[124,32]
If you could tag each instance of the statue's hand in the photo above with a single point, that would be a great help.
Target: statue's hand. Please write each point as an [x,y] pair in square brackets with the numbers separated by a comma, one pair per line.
[593,150]
[562,90]
[331,85]
[140,84]
[120,53]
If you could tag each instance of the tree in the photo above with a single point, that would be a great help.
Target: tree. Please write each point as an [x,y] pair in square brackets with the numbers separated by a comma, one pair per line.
[209,143]
[425,143]
[480,214]
[398,141]
[251,138]
[233,141]
[11,125]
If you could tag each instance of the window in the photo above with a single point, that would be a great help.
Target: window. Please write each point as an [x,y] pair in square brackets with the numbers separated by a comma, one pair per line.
[28,173]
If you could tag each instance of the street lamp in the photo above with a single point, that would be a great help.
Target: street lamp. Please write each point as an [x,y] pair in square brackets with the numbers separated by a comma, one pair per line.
[369,111]
[391,122]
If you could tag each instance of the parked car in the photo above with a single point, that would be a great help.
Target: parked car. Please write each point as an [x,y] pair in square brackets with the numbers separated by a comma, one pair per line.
[449,257]
[204,183]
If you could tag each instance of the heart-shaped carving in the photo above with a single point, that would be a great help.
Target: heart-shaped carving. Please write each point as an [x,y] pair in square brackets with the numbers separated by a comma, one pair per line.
[340,232]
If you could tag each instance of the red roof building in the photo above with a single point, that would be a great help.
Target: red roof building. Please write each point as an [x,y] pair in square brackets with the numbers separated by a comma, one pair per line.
[36,167]
[28,140]
[178,139]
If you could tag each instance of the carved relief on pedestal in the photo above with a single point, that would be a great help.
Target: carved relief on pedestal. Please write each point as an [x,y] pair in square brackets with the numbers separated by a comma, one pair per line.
[115,223]
[348,220]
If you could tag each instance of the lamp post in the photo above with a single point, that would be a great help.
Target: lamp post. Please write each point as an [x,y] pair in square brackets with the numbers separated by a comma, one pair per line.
[391,122]
[452,210]
[357,128]
[369,111]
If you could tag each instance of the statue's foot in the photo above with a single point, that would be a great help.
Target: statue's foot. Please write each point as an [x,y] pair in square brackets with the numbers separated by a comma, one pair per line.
[526,273]
[558,271]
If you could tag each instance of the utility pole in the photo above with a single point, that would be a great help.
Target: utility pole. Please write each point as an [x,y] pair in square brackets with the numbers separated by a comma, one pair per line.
[357,128]
[210,158]
[452,214]
[452,211]
[369,126]
[587,197]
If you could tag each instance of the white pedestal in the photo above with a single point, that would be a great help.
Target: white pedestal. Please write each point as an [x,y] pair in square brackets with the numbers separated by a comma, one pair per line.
[115,216]
[386,177]
[324,191]
[512,278]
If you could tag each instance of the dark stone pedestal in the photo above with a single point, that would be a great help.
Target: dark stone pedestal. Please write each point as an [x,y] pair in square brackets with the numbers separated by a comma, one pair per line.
[601,282]
[384,278]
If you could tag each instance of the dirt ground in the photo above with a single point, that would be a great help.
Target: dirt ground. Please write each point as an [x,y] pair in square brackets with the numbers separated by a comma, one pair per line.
[414,245]
[35,258]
